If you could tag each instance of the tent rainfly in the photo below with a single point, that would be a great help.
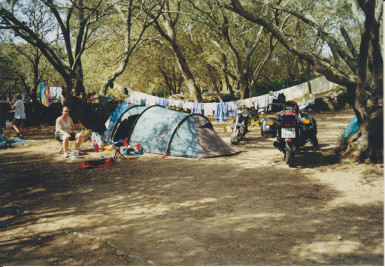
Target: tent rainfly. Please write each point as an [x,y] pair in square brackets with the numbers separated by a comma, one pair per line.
[168,132]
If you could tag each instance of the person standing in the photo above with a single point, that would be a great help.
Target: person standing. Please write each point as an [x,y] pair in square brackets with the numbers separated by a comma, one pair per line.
[19,118]
[65,131]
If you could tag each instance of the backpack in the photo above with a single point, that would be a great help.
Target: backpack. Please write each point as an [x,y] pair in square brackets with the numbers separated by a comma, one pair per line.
[96,163]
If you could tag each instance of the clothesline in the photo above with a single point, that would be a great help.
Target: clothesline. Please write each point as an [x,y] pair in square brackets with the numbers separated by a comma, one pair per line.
[302,93]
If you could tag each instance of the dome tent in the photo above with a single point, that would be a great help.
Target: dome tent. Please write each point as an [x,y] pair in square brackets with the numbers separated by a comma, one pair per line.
[168,132]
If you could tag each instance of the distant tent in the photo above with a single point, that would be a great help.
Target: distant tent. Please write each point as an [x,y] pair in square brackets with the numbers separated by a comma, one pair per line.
[168,132]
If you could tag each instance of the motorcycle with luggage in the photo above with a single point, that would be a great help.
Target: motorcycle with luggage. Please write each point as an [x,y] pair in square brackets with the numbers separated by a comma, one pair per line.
[292,128]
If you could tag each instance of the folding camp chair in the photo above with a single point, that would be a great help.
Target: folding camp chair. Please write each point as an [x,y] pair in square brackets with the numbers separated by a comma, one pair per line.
[117,146]
[61,144]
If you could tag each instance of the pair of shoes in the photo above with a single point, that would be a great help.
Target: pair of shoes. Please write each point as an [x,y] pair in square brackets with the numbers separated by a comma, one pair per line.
[65,155]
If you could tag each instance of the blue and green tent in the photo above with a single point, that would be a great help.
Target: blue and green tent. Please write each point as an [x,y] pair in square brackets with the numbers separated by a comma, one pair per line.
[168,132]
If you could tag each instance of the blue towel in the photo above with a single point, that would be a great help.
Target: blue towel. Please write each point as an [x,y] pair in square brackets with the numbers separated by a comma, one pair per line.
[197,108]
[231,108]
[220,113]
[163,102]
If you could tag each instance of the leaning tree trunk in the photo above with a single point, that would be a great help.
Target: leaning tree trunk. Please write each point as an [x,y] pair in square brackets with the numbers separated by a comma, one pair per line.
[368,142]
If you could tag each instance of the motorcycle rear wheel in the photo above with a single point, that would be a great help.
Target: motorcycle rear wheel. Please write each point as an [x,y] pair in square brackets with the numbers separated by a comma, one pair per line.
[289,154]
[314,141]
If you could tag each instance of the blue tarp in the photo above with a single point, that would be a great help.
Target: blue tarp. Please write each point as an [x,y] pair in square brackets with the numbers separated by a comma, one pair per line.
[3,142]
[352,128]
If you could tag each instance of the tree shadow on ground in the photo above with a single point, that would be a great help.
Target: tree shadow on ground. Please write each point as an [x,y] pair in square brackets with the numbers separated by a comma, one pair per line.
[181,212]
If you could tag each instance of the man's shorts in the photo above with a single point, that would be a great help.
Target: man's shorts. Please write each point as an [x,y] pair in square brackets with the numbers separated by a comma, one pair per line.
[59,137]
[18,121]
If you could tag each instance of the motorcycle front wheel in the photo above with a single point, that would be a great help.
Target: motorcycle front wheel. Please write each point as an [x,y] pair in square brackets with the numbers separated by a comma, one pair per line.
[289,154]
[235,138]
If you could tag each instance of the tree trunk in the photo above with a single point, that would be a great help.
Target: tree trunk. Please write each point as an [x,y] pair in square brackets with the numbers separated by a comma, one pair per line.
[229,87]
[169,33]
[186,73]
[367,144]
[243,82]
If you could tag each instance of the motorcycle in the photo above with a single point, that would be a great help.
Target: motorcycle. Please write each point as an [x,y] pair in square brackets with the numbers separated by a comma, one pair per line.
[293,129]
[240,125]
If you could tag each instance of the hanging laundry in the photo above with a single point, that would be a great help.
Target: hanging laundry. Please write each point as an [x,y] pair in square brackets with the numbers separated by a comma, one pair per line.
[136,97]
[163,102]
[55,93]
[220,113]
[321,87]
[197,108]
[262,102]
[151,100]
[231,109]
[171,103]
[187,106]
[299,93]
[209,109]
[175,103]
[44,95]
[276,95]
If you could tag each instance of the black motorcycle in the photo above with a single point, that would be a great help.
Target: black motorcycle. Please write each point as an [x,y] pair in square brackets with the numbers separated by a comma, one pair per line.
[293,129]
[240,125]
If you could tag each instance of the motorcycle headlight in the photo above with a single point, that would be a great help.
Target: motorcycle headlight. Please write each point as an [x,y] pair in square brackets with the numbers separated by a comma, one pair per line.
[306,121]
[271,123]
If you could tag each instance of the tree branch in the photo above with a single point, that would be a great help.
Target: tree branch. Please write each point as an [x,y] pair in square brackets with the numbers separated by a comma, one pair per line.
[339,76]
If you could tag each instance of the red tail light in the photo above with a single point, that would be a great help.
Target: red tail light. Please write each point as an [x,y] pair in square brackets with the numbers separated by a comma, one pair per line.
[289,123]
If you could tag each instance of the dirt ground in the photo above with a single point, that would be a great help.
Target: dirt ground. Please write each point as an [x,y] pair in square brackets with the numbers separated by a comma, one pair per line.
[249,209]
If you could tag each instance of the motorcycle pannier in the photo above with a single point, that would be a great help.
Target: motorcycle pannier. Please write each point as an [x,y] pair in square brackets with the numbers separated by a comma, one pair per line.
[269,127]
[308,125]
